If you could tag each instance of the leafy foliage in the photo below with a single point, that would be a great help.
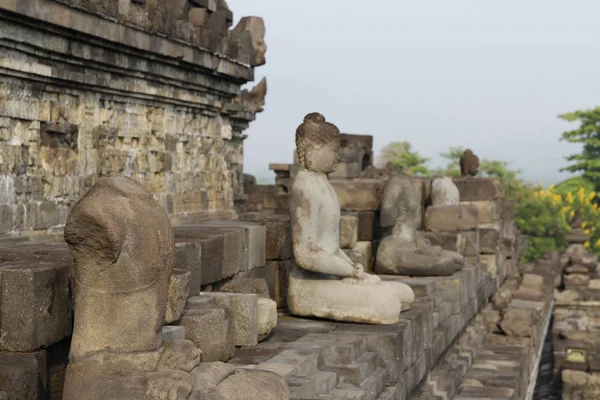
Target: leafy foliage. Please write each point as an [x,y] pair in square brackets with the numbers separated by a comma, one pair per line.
[543,215]
[401,156]
[588,161]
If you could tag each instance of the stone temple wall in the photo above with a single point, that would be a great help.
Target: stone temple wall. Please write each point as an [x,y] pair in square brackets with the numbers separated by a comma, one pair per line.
[147,89]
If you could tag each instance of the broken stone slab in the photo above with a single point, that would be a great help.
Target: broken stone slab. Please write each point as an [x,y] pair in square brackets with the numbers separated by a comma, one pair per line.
[211,256]
[255,241]
[520,321]
[209,330]
[267,308]
[358,194]
[243,313]
[348,231]
[222,250]
[451,218]
[178,293]
[479,189]
[34,304]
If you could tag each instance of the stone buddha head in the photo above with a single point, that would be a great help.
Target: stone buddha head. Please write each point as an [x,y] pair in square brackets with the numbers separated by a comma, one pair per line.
[318,144]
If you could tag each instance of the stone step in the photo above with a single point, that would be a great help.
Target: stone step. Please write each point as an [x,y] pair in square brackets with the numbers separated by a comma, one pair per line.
[311,387]
[293,362]
[337,348]
[374,385]
[357,372]
[325,382]
[301,387]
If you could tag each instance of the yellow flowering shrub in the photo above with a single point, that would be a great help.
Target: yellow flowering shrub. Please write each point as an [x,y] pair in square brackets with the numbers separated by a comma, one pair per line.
[544,215]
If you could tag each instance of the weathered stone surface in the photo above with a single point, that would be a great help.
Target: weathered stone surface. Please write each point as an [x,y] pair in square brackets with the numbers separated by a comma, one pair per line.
[278,240]
[489,239]
[248,286]
[222,250]
[368,225]
[464,242]
[444,192]
[268,274]
[188,257]
[243,314]
[254,385]
[171,333]
[123,248]
[255,241]
[56,128]
[256,28]
[23,375]
[451,218]
[267,317]
[520,321]
[34,303]
[404,250]
[179,288]
[366,249]
[488,211]
[358,194]
[348,232]
[479,189]
[209,330]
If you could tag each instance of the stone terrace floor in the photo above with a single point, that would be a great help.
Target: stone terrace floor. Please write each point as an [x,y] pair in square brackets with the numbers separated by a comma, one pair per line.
[441,348]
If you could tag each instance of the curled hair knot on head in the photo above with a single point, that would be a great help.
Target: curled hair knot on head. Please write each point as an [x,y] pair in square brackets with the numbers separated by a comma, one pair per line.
[314,130]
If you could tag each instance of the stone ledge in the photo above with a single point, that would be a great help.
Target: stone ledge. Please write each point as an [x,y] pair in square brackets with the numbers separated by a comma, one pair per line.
[370,361]
[60,15]
[58,58]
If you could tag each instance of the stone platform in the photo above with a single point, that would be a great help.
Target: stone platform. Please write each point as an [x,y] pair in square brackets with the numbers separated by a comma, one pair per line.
[453,342]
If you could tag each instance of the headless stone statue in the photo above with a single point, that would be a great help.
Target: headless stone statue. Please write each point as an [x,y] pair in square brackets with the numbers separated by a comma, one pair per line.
[469,163]
[404,250]
[325,283]
[123,246]
[444,192]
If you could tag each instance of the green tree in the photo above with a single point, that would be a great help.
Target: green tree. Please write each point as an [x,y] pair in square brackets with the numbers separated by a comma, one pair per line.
[487,168]
[452,157]
[588,161]
[402,157]
[572,185]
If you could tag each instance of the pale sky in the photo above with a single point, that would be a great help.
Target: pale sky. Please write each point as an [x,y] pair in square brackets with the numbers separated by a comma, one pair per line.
[489,75]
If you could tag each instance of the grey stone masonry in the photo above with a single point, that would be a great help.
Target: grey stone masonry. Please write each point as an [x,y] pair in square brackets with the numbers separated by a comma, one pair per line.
[146,90]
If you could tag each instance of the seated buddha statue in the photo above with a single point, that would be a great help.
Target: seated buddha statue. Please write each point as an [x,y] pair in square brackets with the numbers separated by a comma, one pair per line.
[324,282]
[404,250]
